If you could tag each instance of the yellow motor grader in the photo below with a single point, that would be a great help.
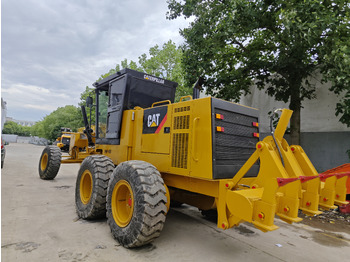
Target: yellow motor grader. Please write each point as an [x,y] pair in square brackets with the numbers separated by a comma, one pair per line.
[148,151]
[64,140]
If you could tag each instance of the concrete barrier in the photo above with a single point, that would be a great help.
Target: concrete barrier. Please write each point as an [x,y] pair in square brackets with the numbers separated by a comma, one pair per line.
[9,138]
[35,140]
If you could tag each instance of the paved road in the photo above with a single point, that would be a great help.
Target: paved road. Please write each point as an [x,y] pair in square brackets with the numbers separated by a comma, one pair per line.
[39,223]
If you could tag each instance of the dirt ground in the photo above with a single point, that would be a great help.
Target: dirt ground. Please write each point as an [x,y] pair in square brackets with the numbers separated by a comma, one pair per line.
[39,223]
[330,220]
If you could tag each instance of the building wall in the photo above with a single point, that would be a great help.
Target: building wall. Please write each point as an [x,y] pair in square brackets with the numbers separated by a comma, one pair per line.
[3,113]
[9,138]
[317,115]
[325,149]
[21,122]
[323,137]
[25,139]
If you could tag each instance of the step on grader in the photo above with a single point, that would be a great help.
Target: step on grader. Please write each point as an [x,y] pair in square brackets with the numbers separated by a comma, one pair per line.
[148,152]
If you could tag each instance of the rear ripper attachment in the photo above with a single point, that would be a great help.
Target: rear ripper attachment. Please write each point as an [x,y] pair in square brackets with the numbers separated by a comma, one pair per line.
[287,181]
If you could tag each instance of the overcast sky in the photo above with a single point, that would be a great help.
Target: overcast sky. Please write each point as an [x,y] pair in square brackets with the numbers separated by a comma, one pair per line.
[51,50]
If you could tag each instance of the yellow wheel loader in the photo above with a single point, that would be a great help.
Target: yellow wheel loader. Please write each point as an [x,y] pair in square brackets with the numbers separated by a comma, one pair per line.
[148,151]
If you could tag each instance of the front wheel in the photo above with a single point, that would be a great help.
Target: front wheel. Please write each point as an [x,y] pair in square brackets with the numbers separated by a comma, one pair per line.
[91,186]
[136,203]
[50,162]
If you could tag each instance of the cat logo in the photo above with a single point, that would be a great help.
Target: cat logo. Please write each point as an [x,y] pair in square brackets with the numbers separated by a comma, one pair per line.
[153,120]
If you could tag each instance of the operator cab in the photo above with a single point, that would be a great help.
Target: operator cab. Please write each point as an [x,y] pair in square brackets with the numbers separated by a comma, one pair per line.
[125,90]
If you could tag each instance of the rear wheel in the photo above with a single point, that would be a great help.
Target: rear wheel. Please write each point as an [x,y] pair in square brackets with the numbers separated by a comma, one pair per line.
[50,162]
[136,203]
[91,186]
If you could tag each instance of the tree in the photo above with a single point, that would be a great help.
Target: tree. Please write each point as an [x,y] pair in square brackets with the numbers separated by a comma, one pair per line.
[275,44]
[89,92]
[13,128]
[50,127]
[118,67]
[166,63]
[162,62]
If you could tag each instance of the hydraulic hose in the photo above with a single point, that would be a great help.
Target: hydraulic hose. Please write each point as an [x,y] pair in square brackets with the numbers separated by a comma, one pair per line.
[273,134]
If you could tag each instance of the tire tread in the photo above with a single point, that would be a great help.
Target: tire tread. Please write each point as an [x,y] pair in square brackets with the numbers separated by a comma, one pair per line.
[150,193]
[54,162]
[101,168]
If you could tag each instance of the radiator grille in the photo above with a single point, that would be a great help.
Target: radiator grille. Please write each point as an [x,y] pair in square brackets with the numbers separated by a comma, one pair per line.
[182,109]
[236,118]
[237,143]
[181,126]
[182,122]
[233,146]
[180,150]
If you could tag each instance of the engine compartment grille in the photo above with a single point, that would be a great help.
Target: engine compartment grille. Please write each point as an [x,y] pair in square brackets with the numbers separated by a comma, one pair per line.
[180,137]
[235,139]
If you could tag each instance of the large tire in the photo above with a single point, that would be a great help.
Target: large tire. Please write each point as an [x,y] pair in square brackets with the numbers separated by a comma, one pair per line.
[50,162]
[91,186]
[136,203]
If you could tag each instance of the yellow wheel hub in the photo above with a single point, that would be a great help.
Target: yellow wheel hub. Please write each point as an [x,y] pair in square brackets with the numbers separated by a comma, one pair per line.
[122,203]
[44,161]
[85,187]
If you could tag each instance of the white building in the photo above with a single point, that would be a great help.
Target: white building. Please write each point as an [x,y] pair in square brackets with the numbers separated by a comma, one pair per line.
[323,137]
[21,122]
[3,113]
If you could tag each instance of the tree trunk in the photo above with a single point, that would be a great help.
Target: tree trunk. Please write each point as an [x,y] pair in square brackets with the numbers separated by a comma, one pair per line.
[295,126]
[295,105]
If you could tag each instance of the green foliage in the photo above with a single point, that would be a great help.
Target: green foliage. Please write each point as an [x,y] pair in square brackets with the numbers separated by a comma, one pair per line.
[164,62]
[274,44]
[118,67]
[50,126]
[89,91]
[13,128]
[83,96]
[343,109]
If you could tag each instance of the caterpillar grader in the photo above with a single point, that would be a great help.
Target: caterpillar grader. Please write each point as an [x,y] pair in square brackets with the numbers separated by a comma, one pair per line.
[63,141]
[148,151]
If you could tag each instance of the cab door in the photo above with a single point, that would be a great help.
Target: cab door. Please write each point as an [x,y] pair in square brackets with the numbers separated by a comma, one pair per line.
[115,107]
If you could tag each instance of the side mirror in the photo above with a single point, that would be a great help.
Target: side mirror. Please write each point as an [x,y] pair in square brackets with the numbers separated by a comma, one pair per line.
[89,101]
